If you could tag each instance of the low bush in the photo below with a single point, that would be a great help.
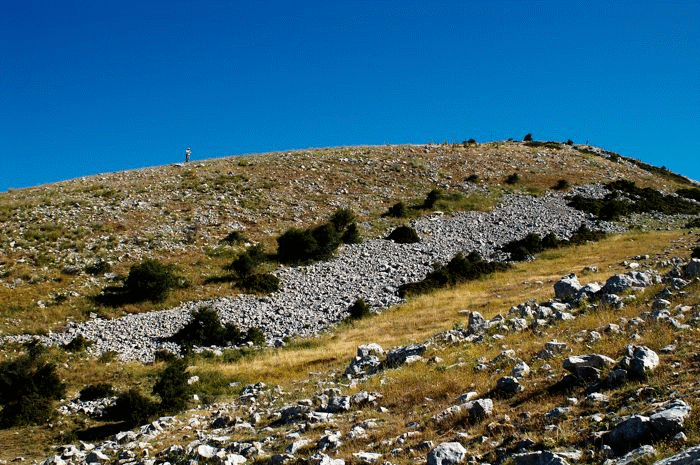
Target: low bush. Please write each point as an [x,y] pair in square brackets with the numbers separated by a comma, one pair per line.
[133,408]
[561,185]
[512,179]
[528,137]
[526,248]
[404,235]
[318,243]
[351,235]
[693,194]
[398,210]
[77,344]
[472,178]
[172,388]
[359,310]
[234,237]
[641,200]
[245,264]
[96,391]
[149,280]
[261,283]
[205,329]
[29,385]
[430,199]
[695,253]
[694,223]
[256,336]
[458,270]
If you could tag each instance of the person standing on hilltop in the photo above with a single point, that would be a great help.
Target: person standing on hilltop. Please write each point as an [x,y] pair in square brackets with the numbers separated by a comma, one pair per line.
[188,152]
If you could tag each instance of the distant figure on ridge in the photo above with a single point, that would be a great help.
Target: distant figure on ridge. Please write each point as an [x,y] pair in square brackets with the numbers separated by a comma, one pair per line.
[188,152]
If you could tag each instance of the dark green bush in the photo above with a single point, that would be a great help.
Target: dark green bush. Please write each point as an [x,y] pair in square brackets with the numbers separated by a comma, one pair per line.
[96,391]
[133,408]
[28,386]
[351,234]
[261,283]
[513,178]
[528,137]
[245,264]
[205,329]
[458,270]
[150,280]
[256,336]
[432,197]
[404,235]
[561,185]
[172,388]
[234,237]
[569,142]
[695,253]
[398,210]
[359,310]
[78,344]
[472,178]
[318,243]
[642,200]
[693,194]
[694,223]
[342,218]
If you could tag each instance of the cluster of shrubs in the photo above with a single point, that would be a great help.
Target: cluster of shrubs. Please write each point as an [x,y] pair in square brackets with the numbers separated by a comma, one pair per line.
[149,280]
[205,329]
[524,249]
[459,269]
[246,273]
[320,242]
[401,210]
[404,235]
[134,408]
[29,385]
[359,310]
[625,198]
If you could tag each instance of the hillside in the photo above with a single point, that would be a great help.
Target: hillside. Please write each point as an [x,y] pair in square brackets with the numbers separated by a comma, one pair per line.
[63,244]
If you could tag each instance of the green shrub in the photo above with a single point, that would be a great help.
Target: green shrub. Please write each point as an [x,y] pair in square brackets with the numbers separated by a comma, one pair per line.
[561,185]
[694,223]
[262,283]
[28,386]
[351,235]
[150,280]
[513,178]
[472,178]
[432,197]
[318,243]
[342,218]
[569,142]
[693,194]
[78,344]
[695,253]
[458,270]
[359,310]
[245,264]
[528,137]
[398,210]
[256,336]
[404,235]
[133,408]
[96,391]
[234,237]
[205,329]
[172,388]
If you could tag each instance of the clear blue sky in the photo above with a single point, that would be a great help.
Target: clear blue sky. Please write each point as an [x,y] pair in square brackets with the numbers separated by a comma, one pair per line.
[97,86]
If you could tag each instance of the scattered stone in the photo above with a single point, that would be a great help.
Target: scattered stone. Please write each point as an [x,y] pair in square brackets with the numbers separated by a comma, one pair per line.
[447,453]
[508,386]
[567,287]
